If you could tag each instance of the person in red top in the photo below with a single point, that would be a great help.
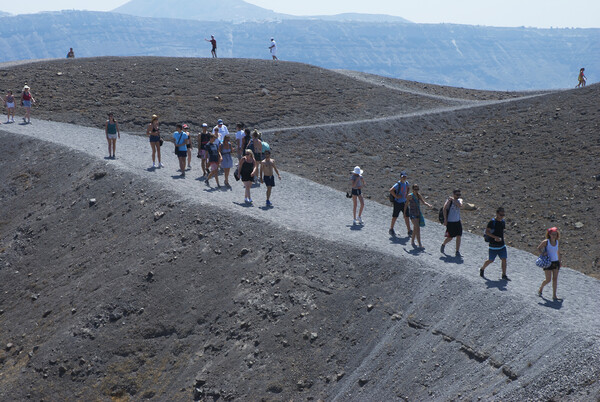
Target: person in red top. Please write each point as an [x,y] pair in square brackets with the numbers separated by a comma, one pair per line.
[213,42]
[581,78]
[26,100]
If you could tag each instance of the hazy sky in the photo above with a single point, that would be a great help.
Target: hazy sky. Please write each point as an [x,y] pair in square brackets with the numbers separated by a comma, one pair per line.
[531,13]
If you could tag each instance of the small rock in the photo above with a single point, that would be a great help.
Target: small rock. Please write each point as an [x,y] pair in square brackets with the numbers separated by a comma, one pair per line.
[149,276]
[46,313]
[99,175]
[370,307]
[244,251]
[59,73]
[92,202]
[176,69]
[313,336]
[9,346]
[578,225]
[469,207]
[158,215]
[363,381]
[264,92]
[73,310]
[396,317]
[34,296]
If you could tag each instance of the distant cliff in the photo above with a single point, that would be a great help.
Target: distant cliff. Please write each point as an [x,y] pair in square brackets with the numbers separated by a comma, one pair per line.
[457,55]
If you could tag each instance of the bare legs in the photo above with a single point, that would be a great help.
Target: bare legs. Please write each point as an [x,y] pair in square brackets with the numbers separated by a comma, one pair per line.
[247,185]
[356,198]
[416,233]
[226,174]
[155,152]
[551,275]
[112,147]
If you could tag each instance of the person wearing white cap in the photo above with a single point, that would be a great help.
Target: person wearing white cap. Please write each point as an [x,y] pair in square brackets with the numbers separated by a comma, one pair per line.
[26,101]
[273,49]
[357,182]
[221,130]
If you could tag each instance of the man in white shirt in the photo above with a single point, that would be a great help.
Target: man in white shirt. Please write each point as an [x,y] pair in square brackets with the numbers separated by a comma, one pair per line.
[223,131]
[273,49]
[239,138]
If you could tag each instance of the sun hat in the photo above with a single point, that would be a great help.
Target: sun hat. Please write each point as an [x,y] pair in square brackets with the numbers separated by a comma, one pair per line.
[204,125]
[185,126]
[219,121]
[357,170]
[26,87]
[553,229]
[154,117]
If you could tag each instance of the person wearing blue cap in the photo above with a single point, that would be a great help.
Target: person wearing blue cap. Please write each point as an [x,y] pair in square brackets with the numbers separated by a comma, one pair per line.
[221,130]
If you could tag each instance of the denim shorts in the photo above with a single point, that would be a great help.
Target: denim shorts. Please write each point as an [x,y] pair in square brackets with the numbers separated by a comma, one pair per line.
[493,253]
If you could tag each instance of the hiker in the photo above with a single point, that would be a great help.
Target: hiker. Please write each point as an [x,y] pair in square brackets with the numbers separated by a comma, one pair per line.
[246,140]
[550,247]
[71,54]
[273,49]
[412,209]
[112,131]
[9,101]
[399,191]
[186,130]
[452,222]
[266,175]
[495,232]
[357,182]
[180,138]
[214,159]
[239,140]
[221,129]
[225,149]
[213,42]
[203,139]
[246,171]
[26,101]
[256,146]
[581,78]
[153,132]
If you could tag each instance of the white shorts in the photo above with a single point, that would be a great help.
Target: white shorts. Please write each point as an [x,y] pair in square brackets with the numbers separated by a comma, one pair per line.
[112,136]
[10,105]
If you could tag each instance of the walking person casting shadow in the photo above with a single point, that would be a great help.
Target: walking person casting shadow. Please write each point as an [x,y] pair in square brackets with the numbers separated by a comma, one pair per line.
[357,182]
[412,207]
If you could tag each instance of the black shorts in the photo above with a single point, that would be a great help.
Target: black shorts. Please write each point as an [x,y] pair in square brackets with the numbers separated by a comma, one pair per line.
[398,206]
[356,191]
[454,229]
[553,265]
[181,154]
[269,181]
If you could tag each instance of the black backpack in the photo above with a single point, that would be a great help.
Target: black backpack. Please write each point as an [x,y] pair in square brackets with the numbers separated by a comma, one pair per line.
[487,238]
[441,214]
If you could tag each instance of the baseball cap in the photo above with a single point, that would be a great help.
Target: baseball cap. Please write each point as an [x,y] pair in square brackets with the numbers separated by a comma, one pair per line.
[185,126]
[403,173]
[220,121]
[204,125]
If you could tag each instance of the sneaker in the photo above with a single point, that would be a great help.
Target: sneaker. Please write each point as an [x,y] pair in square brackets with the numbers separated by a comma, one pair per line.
[154,166]
[355,222]
[481,273]
[443,246]
[250,200]
[269,203]
[410,232]
[392,232]
[206,182]
[360,220]
[24,120]
[458,254]
[504,277]
[161,165]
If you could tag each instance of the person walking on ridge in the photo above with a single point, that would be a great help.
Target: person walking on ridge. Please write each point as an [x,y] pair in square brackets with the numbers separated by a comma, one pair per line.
[581,78]
[412,209]
[399,191]
[495,232]
[550,247]
[180,138]
[153,133]
[213,42]
[26,101]
[452,221]
[273,49]
[266,175]
[71,54]
[112,131]
[357,182]
[9,101]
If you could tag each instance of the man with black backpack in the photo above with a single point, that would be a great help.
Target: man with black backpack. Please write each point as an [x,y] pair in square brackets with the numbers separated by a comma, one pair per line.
[494,235]
[398,194]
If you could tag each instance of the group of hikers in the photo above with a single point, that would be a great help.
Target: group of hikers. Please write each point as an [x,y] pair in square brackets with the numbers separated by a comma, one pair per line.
[26,101]
[408,203]
[215,149]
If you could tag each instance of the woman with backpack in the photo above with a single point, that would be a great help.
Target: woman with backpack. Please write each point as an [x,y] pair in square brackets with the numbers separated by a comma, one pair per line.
[412,209]
[549,247]
[26,101]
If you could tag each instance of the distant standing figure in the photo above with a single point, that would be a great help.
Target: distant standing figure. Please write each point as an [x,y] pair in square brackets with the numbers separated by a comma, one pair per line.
[26,101]
[220,129]
[247,171]
[357,182]
[412,209]
[180,139]
[452,221]
[213,42]
[400,191]
[186,130]
[266,175]
[550,247]
[153,133]
[581,78]
[239,140]
[71,54]
[225,148]
[112,132]
[9,101]
[495,230]
[273,49]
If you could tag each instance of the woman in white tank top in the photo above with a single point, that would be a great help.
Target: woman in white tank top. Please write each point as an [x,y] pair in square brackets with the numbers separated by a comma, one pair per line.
[550,247]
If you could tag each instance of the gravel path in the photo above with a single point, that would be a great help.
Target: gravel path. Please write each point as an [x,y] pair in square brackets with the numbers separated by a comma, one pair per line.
[302,205]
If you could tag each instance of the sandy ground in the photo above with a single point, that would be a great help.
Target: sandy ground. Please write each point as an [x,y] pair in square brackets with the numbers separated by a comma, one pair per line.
[166,288]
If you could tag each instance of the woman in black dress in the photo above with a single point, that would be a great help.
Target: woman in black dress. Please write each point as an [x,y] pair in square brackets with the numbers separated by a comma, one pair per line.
[247,171]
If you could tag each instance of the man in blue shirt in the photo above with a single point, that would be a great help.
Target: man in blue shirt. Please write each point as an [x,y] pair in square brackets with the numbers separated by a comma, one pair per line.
[180,147]
[399,191]
[495,233]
